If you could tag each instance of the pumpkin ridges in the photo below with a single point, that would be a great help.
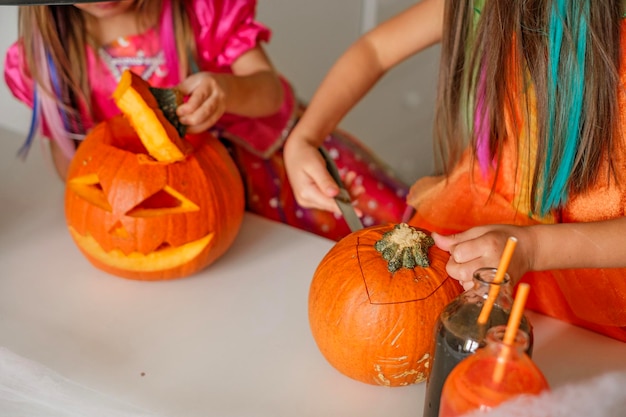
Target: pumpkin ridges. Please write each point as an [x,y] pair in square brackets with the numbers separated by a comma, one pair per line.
[166,219]
[329,320]
[122,166]
[91,154]
[341,316]
[214,163]
[228,192]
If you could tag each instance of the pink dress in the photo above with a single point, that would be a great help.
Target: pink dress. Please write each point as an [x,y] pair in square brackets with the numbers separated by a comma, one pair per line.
[224,30]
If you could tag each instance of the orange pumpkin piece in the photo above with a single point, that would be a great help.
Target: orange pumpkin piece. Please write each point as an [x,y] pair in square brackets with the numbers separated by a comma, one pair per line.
[374,300]
[137,102]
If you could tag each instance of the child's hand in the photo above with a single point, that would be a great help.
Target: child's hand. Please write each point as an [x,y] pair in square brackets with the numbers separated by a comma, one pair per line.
[206,101]
[482,246]
[312,184]
[353,184]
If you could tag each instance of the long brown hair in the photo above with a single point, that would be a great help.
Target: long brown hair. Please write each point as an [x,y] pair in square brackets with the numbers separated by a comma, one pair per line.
[58,33]
[502,38]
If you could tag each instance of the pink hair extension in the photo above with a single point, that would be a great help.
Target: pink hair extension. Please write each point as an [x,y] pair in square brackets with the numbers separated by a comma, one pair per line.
[51,116]
[481,126]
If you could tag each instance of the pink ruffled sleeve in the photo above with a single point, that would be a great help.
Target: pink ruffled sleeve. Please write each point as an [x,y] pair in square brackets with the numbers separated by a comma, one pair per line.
[20,85]
[224,30]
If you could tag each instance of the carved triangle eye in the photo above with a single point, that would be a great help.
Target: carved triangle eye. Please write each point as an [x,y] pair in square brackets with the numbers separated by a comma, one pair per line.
[165,201]
[88,187]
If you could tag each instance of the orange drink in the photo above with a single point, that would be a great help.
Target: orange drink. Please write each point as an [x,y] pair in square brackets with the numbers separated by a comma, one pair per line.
[492,375]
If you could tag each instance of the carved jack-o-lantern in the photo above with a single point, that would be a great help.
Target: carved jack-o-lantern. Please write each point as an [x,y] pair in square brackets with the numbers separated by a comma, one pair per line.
[139,217]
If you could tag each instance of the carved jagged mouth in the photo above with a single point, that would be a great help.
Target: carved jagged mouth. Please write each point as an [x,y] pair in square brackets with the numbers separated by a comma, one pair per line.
[159,260]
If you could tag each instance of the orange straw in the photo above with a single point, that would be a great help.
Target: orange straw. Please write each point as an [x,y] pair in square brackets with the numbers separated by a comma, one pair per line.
[505,259]
[511,329]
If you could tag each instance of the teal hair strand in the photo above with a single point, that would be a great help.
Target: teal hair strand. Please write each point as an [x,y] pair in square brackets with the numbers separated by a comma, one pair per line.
[566,75]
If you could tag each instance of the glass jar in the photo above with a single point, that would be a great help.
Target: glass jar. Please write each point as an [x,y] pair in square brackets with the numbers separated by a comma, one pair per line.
[457,332]
[494,374]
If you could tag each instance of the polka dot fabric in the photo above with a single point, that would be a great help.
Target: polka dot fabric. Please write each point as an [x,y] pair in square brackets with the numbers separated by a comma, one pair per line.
[269,194]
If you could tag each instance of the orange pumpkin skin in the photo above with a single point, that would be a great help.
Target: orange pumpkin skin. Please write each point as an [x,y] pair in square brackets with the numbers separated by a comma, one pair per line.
[372,325]
[139,218]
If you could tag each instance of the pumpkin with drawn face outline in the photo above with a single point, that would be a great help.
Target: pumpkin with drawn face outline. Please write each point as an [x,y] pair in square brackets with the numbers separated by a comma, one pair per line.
[138,217]
[374,300]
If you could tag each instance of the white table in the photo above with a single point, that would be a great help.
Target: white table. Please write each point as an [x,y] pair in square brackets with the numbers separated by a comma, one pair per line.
[232,340]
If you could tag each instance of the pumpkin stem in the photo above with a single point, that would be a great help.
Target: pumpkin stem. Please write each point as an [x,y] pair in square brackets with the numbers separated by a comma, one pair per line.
[168,100]
[405,247]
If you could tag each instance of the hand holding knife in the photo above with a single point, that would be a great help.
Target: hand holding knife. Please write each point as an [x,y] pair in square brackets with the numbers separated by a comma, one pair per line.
[343,197]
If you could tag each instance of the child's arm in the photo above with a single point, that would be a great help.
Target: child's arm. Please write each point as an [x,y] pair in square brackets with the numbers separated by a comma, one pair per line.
[543,247]
[252,90]
[351,77]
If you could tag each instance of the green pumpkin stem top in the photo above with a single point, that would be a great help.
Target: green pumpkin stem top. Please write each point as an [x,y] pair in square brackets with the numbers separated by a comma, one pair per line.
[405,247]
[169,99]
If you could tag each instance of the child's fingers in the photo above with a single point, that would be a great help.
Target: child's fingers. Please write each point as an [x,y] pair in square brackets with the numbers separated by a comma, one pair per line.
[356,191]
[463,272]
[206,115]
[352,184]
[326,184]
[313,185]
[194,102]
[312,196]
[357,210]
[197,89]
[443,242]
[317,195]
[349,178]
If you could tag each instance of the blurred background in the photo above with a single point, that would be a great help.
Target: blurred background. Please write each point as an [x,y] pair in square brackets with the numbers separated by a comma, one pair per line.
[394,119]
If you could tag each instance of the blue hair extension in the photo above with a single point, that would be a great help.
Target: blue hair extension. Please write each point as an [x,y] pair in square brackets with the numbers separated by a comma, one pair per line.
[566,66]
[22,153]
[54,76]
[36,114]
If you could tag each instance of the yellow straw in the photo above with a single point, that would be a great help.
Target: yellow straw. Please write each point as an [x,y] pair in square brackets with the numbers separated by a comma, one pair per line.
[505,259]
[511,329]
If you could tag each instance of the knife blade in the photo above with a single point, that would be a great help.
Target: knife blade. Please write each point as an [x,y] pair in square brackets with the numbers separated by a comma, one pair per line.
[343,197]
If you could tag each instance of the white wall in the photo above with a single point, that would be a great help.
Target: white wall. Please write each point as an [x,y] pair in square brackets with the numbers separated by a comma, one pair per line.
[394,119]
[13,114]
